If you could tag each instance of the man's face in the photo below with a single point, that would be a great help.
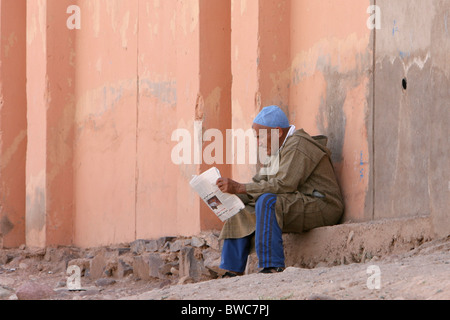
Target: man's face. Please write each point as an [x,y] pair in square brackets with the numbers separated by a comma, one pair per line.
[265,136]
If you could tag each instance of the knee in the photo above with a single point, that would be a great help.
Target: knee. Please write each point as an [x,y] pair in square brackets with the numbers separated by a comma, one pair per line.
[266,200]
[265,197]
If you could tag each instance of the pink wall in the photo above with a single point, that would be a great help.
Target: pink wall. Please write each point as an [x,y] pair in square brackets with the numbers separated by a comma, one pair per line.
[331,61]
[105,122]
[104,100]
[157,118]
[13,127]
[50,112]
[37,120]
[215,85]
[245,95]
[145,69]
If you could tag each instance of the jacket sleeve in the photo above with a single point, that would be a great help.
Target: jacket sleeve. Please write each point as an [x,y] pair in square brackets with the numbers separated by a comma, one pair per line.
[295,166]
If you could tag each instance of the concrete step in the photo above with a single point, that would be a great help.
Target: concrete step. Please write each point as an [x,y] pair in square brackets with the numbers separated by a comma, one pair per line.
[356,242]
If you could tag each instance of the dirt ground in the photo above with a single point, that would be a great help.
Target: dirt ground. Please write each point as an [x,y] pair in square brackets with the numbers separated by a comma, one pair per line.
[423,273]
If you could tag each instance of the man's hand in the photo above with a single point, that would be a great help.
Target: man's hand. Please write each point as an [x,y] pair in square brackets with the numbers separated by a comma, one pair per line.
[230,186]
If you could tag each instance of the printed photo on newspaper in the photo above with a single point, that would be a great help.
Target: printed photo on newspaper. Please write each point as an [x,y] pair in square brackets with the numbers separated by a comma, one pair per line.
[224,205]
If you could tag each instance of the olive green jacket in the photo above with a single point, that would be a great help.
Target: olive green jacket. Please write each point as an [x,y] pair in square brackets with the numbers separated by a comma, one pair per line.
[308,195]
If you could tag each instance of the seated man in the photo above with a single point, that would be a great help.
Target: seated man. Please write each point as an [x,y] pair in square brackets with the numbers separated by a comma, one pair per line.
[301,195]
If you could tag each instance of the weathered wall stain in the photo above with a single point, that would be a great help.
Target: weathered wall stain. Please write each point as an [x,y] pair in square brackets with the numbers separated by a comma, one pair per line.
[5,225]
[332,114]
[165,91]
[94,104]
[36,210]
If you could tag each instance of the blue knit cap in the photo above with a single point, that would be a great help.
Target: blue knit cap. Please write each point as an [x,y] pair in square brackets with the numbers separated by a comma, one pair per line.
[272,117]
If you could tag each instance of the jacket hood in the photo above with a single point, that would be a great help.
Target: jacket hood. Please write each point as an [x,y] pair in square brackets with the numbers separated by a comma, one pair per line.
[319,141]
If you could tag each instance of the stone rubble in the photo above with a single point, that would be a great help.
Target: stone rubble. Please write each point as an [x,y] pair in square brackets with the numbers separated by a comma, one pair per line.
[167,260]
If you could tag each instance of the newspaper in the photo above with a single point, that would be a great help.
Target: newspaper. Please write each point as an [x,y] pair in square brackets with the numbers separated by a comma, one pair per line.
[224,205]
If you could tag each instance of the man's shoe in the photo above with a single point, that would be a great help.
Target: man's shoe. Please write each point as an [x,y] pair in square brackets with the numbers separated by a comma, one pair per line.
[230,275]
[272,270]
